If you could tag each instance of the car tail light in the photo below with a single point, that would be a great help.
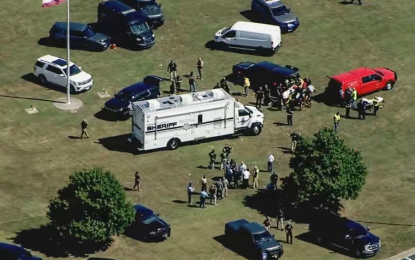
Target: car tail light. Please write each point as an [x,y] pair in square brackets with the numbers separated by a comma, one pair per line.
[275,83]
[239,72]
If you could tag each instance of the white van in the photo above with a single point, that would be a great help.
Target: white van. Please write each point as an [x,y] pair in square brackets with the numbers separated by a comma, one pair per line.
[251,36]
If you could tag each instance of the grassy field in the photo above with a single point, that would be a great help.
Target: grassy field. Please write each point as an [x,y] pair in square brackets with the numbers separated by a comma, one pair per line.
[36,155]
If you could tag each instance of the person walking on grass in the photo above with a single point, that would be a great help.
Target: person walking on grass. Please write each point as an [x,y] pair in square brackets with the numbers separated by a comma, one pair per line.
[225,186]
[212,159]
[246,175]
[336,120]
[267,223]
[247,84]
[137,181]
[270,162]
[289,232]
[280,219]
[178,83]
[84,126]
[190,191]
[295,137]
[200,65]
[290,114]
[203,183]
[219,186]
[259,96]
[212,193]
[203,196]
[223,160]
[274,180]
[255,177]
[192,82]
[172,69]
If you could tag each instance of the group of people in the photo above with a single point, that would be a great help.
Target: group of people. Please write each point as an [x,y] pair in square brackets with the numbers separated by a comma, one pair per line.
[176,79]
[280,225]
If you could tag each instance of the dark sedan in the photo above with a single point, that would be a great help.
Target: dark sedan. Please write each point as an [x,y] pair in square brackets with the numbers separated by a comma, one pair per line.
[82,36]
[12,252]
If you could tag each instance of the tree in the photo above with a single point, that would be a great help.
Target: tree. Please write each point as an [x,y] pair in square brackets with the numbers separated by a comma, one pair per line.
[325,171]
[91,208]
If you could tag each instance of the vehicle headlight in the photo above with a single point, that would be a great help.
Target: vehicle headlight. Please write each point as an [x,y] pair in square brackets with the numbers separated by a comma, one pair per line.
[366,248]
[264,255]
[153,233]
[380,243]
[139,39]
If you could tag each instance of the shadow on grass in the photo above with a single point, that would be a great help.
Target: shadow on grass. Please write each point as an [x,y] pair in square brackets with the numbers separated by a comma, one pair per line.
[29,77]
[109,116]
[179,201]
[213,46]
[29,98]
[280,124]
[47,241]
[251,16]
[118,143]
[74,137]
[233,245]
[384,223]
[46,41]
[309,238]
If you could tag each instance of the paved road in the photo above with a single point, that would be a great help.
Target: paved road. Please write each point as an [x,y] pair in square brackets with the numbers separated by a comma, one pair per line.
[407,255]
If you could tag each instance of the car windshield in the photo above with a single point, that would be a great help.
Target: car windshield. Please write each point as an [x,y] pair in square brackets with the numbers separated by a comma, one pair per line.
[88,32]
[281,10]
[73,70]
[125,95]
[139,28]
[226,30]
[148,4]
[149,218]
[249,110]
[358,231]
[265,236]
[380,73]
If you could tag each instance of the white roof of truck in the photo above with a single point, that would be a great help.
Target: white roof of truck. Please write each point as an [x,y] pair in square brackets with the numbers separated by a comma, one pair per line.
[186,100]
[254,27]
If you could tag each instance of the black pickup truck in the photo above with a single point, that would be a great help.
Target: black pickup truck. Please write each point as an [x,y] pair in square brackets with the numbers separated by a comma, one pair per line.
[255,239]
[344,233]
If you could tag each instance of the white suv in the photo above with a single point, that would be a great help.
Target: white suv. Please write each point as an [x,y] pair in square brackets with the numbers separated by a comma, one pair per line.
[52,70]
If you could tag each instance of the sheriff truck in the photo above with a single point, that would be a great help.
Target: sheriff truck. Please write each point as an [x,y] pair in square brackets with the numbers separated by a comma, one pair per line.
[171,121]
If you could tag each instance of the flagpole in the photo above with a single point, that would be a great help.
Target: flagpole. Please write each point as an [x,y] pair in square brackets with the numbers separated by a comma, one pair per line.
[68,47]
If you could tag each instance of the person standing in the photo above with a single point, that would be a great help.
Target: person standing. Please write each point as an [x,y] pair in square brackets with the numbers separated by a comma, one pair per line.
[225,187]
[172,88]
[247,84]
[255,178]
[348,107]
[361,110]
[137,181]
[290,114]
[243,167]
[267,223]
[295,137]
[212,194]
[352,1]
[192,82]
[204,183]
[172,69]
[336,120]
[219,186]
[200,65]
[259,96]
[84,126]
[178,83]
[376,105]
[280,219]
[267,93]
[246,174]
[223,160]
[190,191]
[289,232]
[274,180]
[212,159]
[203,196]
[270,162]
[227,150]
[354,95]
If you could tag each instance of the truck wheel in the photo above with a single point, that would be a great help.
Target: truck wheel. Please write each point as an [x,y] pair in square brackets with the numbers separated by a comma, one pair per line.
[357,253]
[389,85]
[173,144]
[42,79]
[72,90]
[256,129]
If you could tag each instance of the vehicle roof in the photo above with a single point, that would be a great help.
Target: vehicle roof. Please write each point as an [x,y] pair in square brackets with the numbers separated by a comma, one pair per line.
[73,26]
[59,62]
[138,87]
[254,27]
[254,228]
[272,67]
[353,74]
[274,3]
[143,210]
[11,247]
[117,6]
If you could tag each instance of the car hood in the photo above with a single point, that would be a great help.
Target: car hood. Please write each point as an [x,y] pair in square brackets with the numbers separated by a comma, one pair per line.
[388,73]
[159,223]
[116,103]
[219,33]
[286,18]
[80,77]
[151,11]
[267,245]
[99,37]
[368,239]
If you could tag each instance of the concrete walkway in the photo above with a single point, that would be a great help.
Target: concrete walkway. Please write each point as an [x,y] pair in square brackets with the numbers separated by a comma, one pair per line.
[407,255]
[61,103]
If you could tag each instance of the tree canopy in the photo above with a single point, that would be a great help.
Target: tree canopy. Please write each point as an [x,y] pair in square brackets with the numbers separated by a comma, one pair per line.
[91,208]
[325,171]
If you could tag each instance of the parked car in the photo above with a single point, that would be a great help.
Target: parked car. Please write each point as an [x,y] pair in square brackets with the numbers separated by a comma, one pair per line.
[344,233]
[365,80]
[254,238]
[148,225]
[149,88]
[262,38]
[263,73]
[82,36]
[52,70]
[12,252]
[151,8]
[276,12]
[125,25]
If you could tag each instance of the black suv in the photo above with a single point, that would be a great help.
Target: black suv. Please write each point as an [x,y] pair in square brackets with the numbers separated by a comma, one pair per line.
[125,25]
[82,36]
[344,233]
[263,73]
[151,8]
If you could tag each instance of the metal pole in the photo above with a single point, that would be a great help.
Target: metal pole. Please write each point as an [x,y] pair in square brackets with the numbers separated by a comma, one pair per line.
[68,47]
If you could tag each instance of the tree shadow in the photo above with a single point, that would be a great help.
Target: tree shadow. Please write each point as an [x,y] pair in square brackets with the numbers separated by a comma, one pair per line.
[233,245]
[47,241]
[118,143]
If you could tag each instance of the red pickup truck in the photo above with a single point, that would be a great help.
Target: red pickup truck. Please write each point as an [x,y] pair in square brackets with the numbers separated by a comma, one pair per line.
[364,80]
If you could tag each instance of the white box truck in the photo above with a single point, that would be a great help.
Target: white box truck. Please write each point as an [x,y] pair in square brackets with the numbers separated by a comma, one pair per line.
[263,38]
[170,121]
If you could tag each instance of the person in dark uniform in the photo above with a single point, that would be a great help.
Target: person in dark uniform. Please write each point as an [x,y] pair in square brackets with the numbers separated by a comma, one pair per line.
[267,99]
[259,96]
[267,223]
[172,88]
[274,180]
[84,125]
[280,219]
[212,159]
[290,114]
[200,65]
[137,183]
[348,107]
[352,1]
[192,82]
[178,83]
[289,232]
[227,150]
[361,110]
[376,106]
[172,69]
[190,191]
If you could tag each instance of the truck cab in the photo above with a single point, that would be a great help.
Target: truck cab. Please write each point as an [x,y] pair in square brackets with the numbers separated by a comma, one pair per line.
[255,239]
[248,118]
[344,233]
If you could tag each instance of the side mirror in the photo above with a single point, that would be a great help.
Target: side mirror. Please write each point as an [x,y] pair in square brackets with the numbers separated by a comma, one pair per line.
[61,75]
[368,229]
[158,214]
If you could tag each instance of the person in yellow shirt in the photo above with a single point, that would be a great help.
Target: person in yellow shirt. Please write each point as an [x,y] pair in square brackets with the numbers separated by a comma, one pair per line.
[336,119]
[247,84]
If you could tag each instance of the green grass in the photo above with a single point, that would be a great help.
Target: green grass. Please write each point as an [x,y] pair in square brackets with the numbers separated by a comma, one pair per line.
[36,155]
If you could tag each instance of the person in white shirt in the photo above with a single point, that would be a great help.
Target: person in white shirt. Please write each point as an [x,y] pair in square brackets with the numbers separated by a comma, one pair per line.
[242,168]
[270,162]
[246,174]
